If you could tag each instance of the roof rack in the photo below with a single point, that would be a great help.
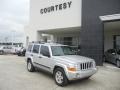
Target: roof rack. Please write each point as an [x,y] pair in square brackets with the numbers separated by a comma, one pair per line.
[40,42]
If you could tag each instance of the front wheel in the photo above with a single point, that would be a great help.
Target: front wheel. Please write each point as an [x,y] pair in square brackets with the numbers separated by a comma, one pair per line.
[60,77]
[118,63]
[30,66]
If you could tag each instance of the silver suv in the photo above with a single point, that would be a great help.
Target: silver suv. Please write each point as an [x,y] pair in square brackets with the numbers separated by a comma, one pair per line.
[59,60]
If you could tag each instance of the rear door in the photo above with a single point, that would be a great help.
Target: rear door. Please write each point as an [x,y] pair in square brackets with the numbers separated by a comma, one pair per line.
[45,58]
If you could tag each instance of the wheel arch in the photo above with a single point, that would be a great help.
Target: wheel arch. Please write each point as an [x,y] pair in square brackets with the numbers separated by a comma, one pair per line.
[64,67]
[29,59]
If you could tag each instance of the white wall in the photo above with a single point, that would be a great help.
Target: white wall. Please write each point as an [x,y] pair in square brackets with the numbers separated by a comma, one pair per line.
[70,17]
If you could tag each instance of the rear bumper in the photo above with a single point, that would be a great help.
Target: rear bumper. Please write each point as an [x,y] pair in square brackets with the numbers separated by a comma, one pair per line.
[81,74]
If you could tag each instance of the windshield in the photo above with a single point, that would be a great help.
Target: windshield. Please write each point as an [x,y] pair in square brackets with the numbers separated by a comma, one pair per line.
[61,50]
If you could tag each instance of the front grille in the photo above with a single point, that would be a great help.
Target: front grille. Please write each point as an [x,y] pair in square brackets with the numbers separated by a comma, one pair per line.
[86,65]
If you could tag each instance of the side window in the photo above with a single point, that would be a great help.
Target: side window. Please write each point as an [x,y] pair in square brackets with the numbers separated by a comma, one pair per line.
[111,51]
[45,51]
[36,48]
[4,47]
[29,48]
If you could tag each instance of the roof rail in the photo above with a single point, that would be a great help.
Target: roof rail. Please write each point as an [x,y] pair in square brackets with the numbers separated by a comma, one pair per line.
[40,42]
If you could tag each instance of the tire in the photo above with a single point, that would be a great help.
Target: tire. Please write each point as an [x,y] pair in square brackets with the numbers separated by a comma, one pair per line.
[30,66]
[118,63]
[60,77]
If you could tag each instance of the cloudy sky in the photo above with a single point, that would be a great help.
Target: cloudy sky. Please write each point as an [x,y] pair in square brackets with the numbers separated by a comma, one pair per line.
[14,14]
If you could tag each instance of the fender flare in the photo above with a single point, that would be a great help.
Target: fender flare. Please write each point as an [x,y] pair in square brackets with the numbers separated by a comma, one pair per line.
[63,66]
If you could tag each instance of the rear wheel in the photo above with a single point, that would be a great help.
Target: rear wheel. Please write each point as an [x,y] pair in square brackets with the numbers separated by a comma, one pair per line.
[118,63]
[60,77]
[30,66]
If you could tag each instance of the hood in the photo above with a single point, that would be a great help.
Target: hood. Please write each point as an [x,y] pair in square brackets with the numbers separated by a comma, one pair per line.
[73,58]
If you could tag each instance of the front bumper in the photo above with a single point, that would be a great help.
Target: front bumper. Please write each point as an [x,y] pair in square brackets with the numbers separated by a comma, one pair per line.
[81,74]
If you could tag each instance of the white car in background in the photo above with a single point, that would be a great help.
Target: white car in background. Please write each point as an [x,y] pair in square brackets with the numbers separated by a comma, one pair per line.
[5,50]
[14,50]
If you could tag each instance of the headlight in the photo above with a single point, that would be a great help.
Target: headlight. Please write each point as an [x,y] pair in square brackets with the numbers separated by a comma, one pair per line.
[72,67]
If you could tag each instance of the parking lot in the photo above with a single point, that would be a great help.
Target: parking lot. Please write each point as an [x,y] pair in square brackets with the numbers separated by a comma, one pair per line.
[14,76]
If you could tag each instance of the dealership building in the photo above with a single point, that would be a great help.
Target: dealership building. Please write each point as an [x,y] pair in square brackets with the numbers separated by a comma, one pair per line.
[92,25]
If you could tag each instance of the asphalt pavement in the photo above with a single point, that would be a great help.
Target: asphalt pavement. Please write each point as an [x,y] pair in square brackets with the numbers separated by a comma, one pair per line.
[14,76]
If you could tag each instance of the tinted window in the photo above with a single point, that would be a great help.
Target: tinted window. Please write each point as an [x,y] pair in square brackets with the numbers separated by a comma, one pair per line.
[29,48]
[36,48]
[111,51]
[45,51]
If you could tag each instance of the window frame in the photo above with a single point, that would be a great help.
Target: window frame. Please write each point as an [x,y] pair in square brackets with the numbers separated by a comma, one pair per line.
[38,49]
[31,48]
[48,51]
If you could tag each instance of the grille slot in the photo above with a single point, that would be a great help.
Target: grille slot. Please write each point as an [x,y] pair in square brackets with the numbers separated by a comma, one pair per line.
[86,65]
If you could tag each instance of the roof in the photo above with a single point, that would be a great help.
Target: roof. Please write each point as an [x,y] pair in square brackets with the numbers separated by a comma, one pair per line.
[48,44]
[54,44]
[110,17]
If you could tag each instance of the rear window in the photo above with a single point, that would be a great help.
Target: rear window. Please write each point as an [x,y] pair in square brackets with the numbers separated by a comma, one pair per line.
[36,48]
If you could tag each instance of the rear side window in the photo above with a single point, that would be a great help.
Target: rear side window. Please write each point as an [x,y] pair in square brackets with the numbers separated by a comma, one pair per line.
[45,51]
[29,48]
[36,48]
